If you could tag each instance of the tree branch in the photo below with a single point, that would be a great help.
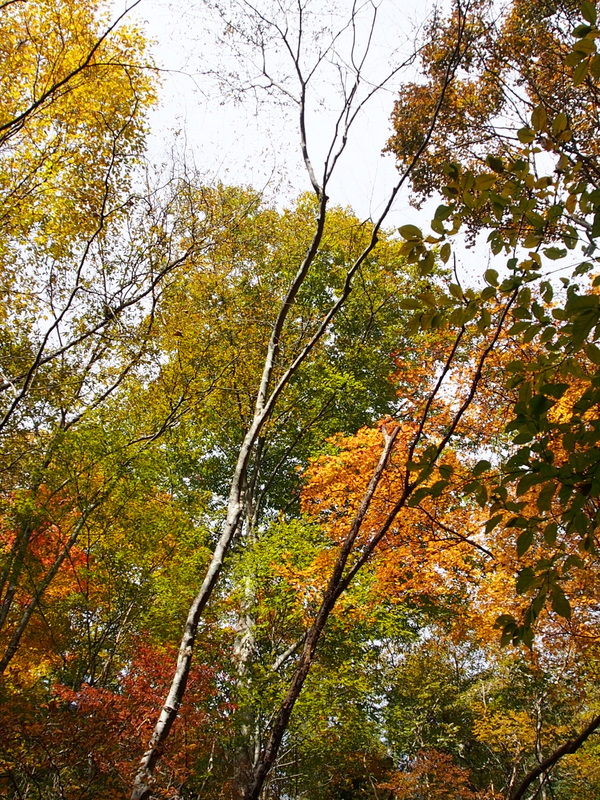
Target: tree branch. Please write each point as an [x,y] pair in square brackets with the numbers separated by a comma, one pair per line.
[569,747]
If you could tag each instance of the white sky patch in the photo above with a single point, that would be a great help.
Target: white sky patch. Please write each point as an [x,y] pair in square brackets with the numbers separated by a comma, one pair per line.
[255,142]
[242,143]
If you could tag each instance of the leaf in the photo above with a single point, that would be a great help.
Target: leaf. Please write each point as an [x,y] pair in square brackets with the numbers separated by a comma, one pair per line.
[485,181]
[410,304]
[532,240]
[481,467]
[580,72]
[418,495]
[589,12]
[524,542]
[495,163]
[445,251]
[592,351]
[586,46]
[526,135]
[410,233]
[539,118]
[560,604]
[493,522]
[437,226]
[574,58]
[518,327]
[507,635]
[427,264]
[438,487]
[550,533]
[525,636]
[446,471]
[442,212]
[560,123]
[504,620]
[545,497]
[554,253]
[525,580]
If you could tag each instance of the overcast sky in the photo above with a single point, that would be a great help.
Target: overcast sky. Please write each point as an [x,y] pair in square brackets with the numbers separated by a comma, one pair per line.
[237,141]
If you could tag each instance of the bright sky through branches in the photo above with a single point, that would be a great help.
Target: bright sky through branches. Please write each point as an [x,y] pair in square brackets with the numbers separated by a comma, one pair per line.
[239,141]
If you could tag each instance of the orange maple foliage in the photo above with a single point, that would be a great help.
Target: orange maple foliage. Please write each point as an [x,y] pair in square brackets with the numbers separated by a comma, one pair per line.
[442,552]
[432,775]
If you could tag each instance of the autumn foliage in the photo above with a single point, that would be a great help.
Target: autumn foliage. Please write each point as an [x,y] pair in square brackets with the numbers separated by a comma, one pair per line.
[365,487]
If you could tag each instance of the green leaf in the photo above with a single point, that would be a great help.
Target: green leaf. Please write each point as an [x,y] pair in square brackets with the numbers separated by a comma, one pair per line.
[525,636]
[481,467]
[586,46]
[554,253]
[593,353]
[539,118]
[507,635]
[438,487]
[573,561]
[418,495]
[532,240]
[427,264]
[446,471]
[525,580]
[410,304]
[442,212]
[547,291]
[493,522]
[438,227]
[485,181]
[526,135]
[491,276]
[495,163]
[410,233]
[555,390]
[544,500]
[589,12]
[523,438]
[560,123]
[524,542]
[518,327]
[560,604]
[456,291]
[550,533]
[580,72]
[531,332]
[445,251]
[504,620]
[573,58]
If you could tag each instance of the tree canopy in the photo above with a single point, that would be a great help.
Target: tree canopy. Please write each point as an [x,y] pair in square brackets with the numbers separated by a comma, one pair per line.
[289,508]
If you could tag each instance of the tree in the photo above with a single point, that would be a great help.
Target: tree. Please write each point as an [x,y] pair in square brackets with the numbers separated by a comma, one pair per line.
[305,416]
[523,207]
[546,490]
[259,32]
